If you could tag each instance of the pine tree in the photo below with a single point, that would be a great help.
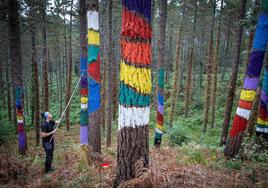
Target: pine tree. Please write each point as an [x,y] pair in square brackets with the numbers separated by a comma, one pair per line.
[135,88]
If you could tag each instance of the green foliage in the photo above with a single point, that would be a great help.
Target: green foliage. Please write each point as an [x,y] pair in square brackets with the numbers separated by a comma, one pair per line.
[178,135]
[233,164]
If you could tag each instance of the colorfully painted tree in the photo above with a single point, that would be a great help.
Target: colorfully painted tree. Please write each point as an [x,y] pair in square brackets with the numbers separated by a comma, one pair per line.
[262,121]
[161,74]
[83,73]
[248,92]
[15,56]
[135,88]
[94,87]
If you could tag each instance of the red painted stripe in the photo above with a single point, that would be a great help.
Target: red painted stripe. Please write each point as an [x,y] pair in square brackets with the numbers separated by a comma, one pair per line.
[19,113]
[239,125]
[134,26]
[160,118]
[262,113]
[20,127]
[84,91]
[94,69]
[136,52]
[245,104]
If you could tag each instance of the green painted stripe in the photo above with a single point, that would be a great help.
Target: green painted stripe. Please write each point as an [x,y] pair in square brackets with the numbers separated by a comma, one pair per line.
[129,97]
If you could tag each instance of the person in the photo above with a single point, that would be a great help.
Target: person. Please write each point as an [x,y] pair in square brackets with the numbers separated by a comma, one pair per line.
[47,131]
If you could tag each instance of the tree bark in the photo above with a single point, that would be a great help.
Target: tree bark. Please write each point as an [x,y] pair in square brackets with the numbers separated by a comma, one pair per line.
[44,58]
[135,89]
[16,64]
[35,81]
[69,71]
[188,88]
[209,71]
[177,68]
[110,84]
[161,73]
[215,70]
[94,76]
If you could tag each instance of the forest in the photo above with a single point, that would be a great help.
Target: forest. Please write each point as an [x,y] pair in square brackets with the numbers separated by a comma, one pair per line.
[134,93]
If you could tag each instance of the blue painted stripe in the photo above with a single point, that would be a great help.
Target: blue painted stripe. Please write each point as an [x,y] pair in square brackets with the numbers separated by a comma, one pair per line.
[93,95]
[160,99]
[261,33]
[83,64]
[142,7]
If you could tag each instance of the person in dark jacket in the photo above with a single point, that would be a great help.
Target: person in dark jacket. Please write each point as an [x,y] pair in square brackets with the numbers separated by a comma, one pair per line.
[47,131]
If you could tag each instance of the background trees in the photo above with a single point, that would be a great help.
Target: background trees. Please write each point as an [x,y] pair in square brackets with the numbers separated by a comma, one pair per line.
[205,54]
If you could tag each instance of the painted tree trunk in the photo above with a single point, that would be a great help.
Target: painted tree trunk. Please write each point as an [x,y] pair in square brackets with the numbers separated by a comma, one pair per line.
[232,83]
[15,56]
[135,88]
[248,92]
[177,68]
[110,84]
[262,121]
[161,74]
[69,71]
[209,71]
[188,88]
[215,70]
[94,76]
[83,73]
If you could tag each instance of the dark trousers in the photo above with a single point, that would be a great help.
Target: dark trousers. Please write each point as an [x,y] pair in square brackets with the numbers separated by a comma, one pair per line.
[49,148]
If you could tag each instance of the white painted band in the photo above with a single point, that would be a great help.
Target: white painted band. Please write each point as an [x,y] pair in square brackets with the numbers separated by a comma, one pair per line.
[93,20]
[243,112]
[158,131]
[133,116]
[263,130]
[20,121]
[84,106]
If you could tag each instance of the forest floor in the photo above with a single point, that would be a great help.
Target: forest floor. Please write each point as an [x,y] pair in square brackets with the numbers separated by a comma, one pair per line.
[169,167]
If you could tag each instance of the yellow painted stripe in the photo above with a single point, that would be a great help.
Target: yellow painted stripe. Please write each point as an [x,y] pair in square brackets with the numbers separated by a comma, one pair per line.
[138,78]
[262,122]
[247,95]
[160,127]
[84,100]
[19,118]
[93,37]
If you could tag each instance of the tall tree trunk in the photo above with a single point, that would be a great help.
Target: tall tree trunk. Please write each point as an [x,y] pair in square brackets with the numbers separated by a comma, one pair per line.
[94,76]
[215,71]
[84,80]
[16,63]
[69,71]
[226,52]
[110,84]
[177,68]
[114,63]
[44,57]
[9,108]
[232,83]
[161,73]
[135,89]
[103,95]
[35,85]
[188,88]
[209,71]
